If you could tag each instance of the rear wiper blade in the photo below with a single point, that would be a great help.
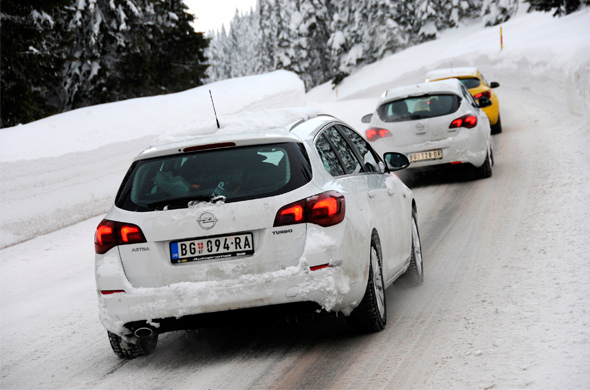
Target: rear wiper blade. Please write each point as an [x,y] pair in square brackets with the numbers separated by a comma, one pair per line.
[180,201]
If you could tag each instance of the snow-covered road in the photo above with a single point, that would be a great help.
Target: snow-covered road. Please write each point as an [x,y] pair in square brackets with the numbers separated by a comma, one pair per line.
[505,304]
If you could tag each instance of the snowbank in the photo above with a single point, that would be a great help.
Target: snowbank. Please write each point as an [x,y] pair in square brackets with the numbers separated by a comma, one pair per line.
[67,168]
[92,127]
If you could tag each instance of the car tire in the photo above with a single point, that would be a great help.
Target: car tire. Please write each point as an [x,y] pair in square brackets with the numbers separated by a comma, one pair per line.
[127,350]
[371,314]
[497,128]
[485,170]
[414,275]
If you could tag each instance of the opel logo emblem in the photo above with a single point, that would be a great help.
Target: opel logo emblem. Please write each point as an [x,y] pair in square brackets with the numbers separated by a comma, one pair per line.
[207,220]
[419,126]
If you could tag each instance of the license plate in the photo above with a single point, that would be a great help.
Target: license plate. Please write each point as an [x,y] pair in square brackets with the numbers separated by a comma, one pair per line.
[429,155]
[212,248]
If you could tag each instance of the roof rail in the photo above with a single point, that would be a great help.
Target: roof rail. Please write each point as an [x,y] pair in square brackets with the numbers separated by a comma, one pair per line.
[295,124]
[324,114]
[302,120]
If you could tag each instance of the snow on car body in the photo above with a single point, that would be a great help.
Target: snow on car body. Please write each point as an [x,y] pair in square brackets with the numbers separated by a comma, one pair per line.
[434,124]
[250,216]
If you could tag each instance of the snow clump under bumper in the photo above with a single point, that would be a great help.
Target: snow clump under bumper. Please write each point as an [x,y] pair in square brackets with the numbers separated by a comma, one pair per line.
[329,287]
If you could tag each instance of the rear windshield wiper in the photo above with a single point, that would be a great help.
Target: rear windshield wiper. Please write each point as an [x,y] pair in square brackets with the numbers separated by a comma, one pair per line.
[185,201]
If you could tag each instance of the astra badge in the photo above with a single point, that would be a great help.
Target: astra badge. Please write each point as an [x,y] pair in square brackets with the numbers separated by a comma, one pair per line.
[207,220]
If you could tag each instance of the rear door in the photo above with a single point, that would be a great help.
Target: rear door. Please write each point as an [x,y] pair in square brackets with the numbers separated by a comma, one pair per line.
[356,167]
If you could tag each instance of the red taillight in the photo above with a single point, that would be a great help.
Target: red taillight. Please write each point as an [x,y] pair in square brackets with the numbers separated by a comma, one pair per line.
[468,121]
[131,234]
[485,95]
[109,292]
[110,234]
[325,209]
[291,214]
[374,133]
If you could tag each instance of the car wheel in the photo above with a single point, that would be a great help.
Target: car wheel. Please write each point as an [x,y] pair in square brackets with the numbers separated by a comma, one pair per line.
[371,314]
[497,128]
[485,170]
[127,350]
[414,275]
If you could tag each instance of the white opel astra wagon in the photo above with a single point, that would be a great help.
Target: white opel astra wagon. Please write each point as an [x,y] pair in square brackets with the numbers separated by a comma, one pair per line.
[287,219]
[435,124]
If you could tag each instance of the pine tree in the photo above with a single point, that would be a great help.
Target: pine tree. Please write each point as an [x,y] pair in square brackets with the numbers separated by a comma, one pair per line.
[176,52]
[311,60]
[267,32]
[558,7]
[387,35]
[126,49]
[31,60]
[495,12]
[283,40]
[242,43]
[340,41]
[218,66]
[427,20]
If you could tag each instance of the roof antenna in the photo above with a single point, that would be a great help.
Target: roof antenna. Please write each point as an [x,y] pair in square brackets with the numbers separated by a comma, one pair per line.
[215,112]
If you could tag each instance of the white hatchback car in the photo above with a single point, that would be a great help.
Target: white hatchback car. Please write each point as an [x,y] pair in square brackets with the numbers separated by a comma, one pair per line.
[289,218]
[434,124]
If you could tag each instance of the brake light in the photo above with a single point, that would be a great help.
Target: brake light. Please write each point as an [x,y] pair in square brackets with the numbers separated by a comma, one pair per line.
[485,94]
[291,214]
[207,147]
[109,292]
[110,234]
[374,133]
[325,209]
[468,121]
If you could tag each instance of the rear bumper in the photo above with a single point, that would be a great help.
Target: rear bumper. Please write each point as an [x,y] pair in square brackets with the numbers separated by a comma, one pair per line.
[179,305]
[466,147]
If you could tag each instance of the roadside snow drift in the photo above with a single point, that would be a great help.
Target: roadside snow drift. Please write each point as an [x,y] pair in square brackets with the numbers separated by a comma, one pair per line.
[66,168]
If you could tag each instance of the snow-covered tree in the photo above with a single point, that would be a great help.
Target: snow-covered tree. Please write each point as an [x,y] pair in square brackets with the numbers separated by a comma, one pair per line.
[219,68]
[127,48]
[243,40]
[267,31]
[428,14]
[558,7]
[32,56]
[385,36]
[311,59]
[495,12]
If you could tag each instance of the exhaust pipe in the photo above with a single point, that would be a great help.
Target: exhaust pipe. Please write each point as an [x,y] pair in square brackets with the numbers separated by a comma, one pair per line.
[143,332]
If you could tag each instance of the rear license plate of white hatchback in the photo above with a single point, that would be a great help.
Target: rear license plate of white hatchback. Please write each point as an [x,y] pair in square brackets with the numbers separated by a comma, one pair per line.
[428,155]
[208,248]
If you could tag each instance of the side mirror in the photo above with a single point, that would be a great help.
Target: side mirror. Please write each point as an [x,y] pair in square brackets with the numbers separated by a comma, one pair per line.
[367,118]
[396,161]
[494,84]
[483,102]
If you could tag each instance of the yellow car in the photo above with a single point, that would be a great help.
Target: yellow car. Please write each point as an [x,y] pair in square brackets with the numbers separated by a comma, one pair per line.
[478,87]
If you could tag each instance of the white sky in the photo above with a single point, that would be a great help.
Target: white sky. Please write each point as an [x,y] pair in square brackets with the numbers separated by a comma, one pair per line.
[211,14]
